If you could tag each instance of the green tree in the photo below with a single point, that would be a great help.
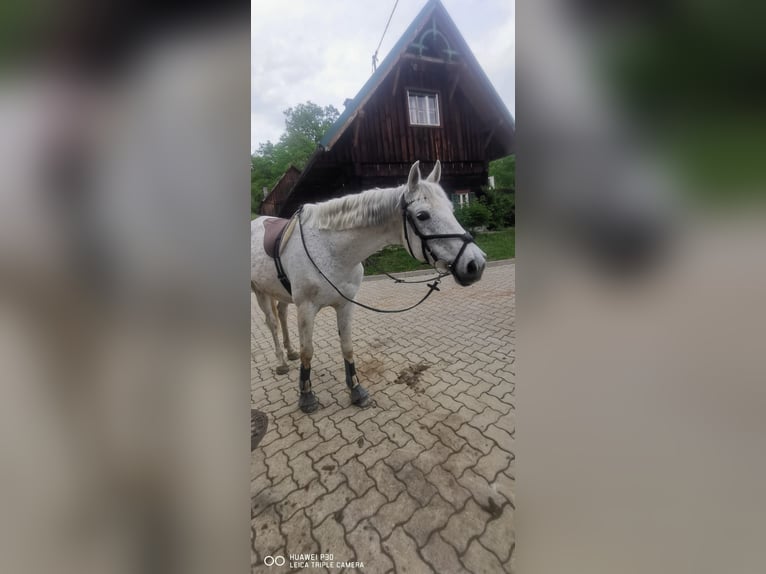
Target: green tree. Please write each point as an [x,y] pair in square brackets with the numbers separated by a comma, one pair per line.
[501,201]
[504,172]
[502,206]
[305,124]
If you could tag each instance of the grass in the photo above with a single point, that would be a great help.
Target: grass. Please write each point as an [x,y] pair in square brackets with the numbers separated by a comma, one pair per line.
[496,244]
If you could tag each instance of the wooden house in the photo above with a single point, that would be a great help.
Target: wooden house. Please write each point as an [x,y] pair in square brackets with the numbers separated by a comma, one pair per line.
[428,99]
[271,202]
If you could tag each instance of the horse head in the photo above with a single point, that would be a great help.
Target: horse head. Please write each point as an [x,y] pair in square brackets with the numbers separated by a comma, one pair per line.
[431,232]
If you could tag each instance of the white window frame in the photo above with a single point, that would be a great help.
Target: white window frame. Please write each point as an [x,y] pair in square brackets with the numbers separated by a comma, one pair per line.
[462,199]
[426,108]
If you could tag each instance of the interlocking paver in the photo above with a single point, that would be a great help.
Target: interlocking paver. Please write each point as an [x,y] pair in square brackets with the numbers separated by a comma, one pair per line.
[404,550]
[331,537]
[431,457]
[350,451]
[303,471]
[448,437]
[448,486]
[327,447]
[397,512]
[396,433]
[273,495]
[267,536]
[441,556]
[499,536]
[465,525]
[330,475]
[300,499]
[499,435]
[485,418]
[404,455]
[371,432]
[377,452]
[366,543]
[297,531]
[476,439]
[359,480]
[362,507]
[458,462]
[423,480]
[385,480]
[491,464]
[416,484]
[479,559]
[505,485]
[427,519]
[277,466]
[329,503]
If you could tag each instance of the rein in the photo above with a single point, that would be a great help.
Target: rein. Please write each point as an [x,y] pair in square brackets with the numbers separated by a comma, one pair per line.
[466,237]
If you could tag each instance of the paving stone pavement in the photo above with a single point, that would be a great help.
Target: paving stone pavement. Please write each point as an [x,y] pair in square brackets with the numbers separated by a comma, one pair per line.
[424,480]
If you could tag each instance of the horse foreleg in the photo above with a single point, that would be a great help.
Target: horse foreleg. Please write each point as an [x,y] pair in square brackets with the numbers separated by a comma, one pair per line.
[282,313]
[266,304]
[359,395]
[307,400]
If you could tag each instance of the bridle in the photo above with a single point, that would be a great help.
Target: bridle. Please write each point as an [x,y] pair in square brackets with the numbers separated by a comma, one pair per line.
[428,255]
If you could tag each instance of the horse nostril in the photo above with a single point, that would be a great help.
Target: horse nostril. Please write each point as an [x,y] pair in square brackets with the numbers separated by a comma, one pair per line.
[471,267]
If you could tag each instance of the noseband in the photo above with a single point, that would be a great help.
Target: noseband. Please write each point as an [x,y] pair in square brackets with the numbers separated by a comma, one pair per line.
[431,259]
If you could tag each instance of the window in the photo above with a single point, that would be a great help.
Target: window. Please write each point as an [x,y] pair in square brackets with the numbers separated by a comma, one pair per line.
[424,108]
[461,198]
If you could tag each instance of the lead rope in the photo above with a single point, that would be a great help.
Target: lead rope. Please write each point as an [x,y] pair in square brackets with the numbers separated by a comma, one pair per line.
[400,280]
[431,286]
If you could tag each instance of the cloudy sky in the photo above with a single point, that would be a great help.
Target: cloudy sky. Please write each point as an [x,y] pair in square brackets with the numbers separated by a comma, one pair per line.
[321,50]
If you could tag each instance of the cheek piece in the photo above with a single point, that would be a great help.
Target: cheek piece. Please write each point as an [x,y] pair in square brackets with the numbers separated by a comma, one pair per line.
[429,256]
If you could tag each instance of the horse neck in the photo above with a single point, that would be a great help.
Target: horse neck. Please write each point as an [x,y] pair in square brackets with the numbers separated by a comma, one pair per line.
[356,244]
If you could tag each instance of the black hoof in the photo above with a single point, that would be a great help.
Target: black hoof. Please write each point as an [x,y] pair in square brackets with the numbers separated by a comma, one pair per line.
[359,396]
[293,355]
[308,402]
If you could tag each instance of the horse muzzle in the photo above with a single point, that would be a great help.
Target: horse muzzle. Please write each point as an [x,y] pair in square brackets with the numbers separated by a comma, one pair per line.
[468,269]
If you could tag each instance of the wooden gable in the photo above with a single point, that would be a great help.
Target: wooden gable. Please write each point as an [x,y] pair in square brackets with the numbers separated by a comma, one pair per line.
[374,142]
[273,202]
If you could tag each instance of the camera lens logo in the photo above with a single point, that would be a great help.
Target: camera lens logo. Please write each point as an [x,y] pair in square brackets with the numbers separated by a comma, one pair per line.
[274,560]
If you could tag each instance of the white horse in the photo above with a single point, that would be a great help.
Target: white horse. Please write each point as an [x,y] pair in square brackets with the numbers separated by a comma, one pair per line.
[328,244]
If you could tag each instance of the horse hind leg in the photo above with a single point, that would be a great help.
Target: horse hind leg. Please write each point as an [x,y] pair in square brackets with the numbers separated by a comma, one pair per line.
[268,305]
[292,354]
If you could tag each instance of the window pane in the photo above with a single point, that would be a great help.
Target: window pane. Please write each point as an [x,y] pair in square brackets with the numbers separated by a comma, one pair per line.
[423,109]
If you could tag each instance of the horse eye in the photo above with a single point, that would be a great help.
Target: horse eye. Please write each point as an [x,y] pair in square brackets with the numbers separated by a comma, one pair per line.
[423,216]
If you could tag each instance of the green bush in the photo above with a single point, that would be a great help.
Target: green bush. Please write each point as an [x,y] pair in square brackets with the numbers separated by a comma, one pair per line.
[502,206]
[474,215]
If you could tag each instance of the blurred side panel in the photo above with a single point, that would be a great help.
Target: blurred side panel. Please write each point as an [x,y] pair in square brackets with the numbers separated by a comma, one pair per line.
[641,258]
[124,295]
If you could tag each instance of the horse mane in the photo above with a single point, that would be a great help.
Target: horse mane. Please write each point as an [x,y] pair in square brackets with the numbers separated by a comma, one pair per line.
[365,209]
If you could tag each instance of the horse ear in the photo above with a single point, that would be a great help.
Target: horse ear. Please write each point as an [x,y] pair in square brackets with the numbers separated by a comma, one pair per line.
[414,179]
[436,173]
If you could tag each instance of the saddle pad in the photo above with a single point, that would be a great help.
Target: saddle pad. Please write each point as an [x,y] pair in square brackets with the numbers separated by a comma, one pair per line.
[272,228]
